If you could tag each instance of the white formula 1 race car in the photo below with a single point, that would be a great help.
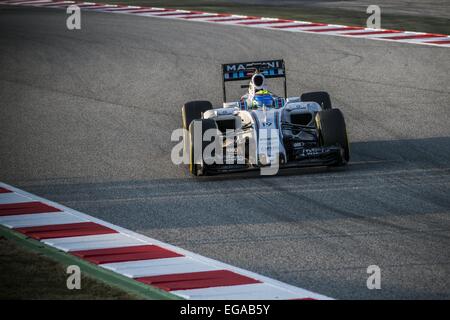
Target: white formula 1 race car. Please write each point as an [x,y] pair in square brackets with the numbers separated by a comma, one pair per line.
[263,130]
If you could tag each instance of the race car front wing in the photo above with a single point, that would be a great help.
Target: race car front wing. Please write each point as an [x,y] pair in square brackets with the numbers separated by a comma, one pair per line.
[307,157]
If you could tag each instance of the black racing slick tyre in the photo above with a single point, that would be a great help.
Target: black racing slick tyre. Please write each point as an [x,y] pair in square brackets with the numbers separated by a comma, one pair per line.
[333,132]
[321,97]
[197,129]
[193,110]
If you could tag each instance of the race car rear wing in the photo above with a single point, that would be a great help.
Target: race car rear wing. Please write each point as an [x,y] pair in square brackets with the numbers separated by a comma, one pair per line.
[244,71]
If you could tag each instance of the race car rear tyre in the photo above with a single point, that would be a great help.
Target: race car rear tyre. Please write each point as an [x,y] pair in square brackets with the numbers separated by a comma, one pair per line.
[193,110]
[333,131]
[197,167]
[321,97]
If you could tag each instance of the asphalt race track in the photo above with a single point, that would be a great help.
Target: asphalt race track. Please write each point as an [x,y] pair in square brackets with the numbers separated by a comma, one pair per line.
[86,118]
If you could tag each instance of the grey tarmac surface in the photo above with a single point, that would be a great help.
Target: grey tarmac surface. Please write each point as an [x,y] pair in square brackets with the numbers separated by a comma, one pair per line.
[86,118]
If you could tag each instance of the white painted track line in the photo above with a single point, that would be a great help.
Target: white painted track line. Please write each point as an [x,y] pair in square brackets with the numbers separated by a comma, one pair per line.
[42,2]
[256,291]
[156,267]
[41,219]
[102,241]
[52,4]
[11,197]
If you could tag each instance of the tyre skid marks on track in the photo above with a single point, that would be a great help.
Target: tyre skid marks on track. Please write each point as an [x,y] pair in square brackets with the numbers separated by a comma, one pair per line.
[413,173]
[288,237]
[263,192]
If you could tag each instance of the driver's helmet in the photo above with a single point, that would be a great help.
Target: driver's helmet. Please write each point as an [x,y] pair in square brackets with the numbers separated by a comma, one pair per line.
[263,98]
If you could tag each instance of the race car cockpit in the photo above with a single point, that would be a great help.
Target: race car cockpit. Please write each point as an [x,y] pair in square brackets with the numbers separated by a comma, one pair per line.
[258,96]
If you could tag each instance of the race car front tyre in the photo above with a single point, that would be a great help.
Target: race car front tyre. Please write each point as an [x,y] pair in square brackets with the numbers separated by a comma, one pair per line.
[197,129]
[321,97]
[193,110]
[190,111]
[333,132]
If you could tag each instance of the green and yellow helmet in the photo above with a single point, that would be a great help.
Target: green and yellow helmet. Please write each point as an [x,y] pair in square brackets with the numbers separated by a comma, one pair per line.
[262,98]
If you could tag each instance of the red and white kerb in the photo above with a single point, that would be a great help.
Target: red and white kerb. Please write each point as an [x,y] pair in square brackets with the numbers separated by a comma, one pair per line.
[143,259]
[441,40]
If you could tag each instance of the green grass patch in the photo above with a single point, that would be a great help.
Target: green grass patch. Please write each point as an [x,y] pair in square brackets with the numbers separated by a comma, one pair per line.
[30,269]
[25,274]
